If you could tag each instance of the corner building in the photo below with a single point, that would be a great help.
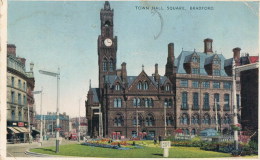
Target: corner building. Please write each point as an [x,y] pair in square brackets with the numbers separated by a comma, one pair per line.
[158,105]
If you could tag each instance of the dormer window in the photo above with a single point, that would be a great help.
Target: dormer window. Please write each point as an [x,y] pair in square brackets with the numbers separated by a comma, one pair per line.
[216,61]
[195,59]
[145,86]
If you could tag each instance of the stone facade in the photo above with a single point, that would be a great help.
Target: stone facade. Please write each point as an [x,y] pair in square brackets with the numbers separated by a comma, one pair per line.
[20,85]
[162,103]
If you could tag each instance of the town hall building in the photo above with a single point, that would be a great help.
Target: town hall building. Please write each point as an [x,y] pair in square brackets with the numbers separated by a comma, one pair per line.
[196,87]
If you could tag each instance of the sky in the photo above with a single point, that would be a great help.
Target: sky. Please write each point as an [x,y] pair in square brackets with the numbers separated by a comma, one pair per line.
[64,34]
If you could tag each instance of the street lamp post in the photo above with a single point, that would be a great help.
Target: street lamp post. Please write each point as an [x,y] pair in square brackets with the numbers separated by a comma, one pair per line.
[234,103]
[40,92]
[58,97]
[29,124]
[165,123]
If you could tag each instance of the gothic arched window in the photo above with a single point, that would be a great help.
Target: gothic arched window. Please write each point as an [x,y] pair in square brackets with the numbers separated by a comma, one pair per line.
[117,87]
[105,65]
[149,121]
[167,87]
[111,65]
[118,121]
[169,120]
[184,119]
[145,86]
[139,86]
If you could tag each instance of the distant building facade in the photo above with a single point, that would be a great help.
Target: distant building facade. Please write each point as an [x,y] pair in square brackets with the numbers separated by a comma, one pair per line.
[20,100]
[75,125]
[185,98]
[249,75]
[49,123]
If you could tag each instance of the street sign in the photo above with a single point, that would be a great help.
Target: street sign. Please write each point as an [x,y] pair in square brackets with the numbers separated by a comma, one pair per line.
[165,144]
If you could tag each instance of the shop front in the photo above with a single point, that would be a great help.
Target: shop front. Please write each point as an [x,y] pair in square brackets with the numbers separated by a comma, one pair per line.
[17,132]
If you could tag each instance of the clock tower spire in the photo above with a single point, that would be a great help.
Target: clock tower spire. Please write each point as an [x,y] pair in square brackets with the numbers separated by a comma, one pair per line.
[107,45]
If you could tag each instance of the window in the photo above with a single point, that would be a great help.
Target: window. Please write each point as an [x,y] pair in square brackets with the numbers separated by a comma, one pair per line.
[227,85]
[193,131]
[117,103]
[105,65]
[195,84]
[111,65]
[206,101]
[169,120]
[238,102]
[195,71]
[216,61]
[167,87]
[195,59]
[150,102]
[12,96]
[206,119]
[205,84]
[216,84]
[135,102]
[19,99]
[140,120]
[145,85]
[184,101]
[226,102]
[118,121]
[184,119]
[139,86]
[24,100]
[184,83]
[195,119]
[216,72]
[24,86]
[149,120]
[12,81]
[13,115]
[20,116]
[19,84]
[216,99]
[170,103]
[118,87]
[195,101]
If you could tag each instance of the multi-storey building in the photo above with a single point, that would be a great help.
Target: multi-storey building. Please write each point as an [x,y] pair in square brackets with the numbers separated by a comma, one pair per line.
[184,98]
[75,128]
[49,123]
[249,73]
[20,85]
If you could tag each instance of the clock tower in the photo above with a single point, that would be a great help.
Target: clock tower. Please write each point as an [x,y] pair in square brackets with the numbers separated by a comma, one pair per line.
[107,45]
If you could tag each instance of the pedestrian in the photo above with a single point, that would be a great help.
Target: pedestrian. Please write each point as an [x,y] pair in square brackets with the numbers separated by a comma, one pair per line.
[155,140]
[160,138]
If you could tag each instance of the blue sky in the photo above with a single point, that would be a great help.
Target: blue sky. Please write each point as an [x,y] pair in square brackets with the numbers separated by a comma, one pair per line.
[64,34]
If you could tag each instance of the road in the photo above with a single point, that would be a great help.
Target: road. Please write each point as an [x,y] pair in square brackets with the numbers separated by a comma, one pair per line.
[18,150]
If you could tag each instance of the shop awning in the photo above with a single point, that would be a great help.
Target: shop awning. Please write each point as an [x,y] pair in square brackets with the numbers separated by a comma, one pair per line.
[19,129]
[36,130]
[14,130]
[24,129]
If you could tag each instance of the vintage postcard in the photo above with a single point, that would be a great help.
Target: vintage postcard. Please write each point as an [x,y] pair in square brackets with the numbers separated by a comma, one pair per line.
[129,79]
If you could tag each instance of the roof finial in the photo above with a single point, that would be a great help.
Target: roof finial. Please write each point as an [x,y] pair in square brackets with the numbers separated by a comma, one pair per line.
[107,6]
[142,67]
[90,84]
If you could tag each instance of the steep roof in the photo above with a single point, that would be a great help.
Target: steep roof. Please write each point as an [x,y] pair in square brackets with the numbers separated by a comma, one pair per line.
[203,56]
[95,94]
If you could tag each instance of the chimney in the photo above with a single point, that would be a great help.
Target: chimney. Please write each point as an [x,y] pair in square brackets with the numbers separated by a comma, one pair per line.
[123,72]
[236,55]
[208,46]
[170,52]
[156,74]
[31,66]
[23,60]
[11,49]
[169,67]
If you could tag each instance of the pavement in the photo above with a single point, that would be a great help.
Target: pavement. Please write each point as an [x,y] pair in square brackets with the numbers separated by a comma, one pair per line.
[19,150]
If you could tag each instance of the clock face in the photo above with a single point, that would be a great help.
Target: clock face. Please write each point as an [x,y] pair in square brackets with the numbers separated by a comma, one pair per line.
[108,42]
